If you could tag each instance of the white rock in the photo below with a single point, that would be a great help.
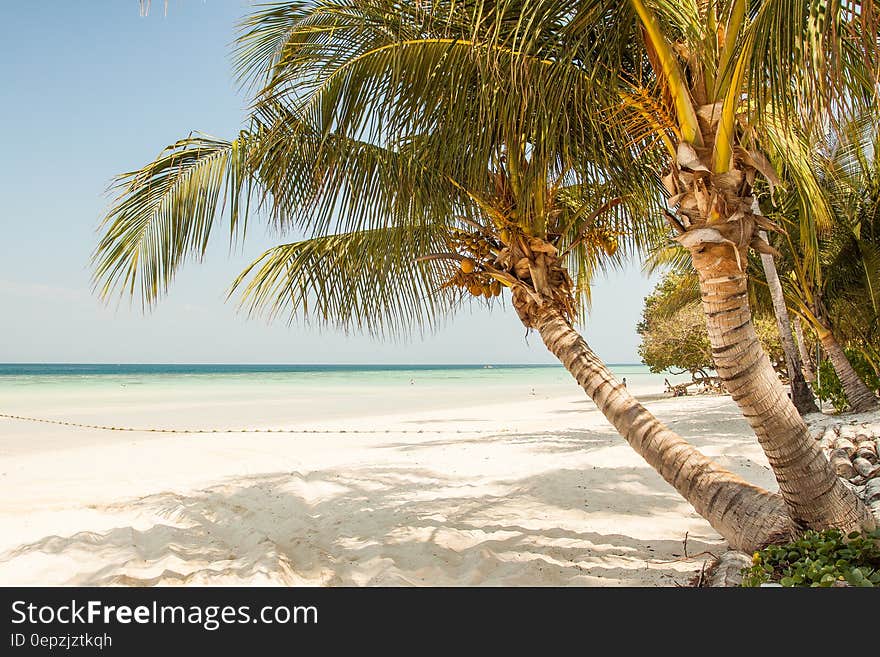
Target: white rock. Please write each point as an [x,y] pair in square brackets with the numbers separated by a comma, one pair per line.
[867,450]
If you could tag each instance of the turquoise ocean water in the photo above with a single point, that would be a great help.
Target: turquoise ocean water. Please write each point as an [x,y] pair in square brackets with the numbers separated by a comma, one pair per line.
[17,375]
[234,395]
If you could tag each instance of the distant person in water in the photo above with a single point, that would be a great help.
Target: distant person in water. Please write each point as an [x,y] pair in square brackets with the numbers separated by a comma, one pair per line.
[624,382]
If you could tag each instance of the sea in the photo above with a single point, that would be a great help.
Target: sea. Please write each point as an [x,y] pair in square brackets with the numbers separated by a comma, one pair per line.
[234,395]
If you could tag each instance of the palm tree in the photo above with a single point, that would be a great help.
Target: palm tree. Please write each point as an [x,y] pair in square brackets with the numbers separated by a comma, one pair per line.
[810,293]
[833,270]
[737,80]
[806,359]
[408,212]
[801,395]
[850,170]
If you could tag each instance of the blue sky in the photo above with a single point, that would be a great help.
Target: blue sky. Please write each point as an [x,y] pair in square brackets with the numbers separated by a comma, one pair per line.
[91,89]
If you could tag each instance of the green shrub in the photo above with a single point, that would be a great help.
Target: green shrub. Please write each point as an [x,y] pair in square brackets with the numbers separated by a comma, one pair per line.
[831,388]
[819,559]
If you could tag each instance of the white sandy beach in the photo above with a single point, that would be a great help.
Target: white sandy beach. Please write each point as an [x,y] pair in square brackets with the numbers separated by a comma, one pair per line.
[529,490]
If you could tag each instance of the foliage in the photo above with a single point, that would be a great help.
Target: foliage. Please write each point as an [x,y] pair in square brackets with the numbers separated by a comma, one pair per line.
[673,329]
[676,339]
[819,559]
[828,386]
[831,273]
[399,114]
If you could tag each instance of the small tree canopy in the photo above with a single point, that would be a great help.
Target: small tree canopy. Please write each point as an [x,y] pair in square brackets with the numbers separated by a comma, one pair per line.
[673,330]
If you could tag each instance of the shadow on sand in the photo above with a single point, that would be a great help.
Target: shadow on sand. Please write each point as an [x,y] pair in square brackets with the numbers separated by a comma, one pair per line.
[384,526]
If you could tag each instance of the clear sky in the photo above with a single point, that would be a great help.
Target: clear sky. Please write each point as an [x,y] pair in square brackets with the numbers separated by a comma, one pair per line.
[91,89]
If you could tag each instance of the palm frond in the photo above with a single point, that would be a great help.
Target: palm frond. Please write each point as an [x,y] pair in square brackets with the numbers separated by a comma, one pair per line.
[166,212]
[369,280]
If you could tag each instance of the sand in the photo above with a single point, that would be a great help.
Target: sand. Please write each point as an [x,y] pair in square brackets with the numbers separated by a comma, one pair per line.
[534,491]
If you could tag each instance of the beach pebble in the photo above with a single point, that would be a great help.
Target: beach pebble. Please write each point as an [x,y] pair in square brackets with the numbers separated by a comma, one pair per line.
[858,490]
[727,571]
[867,451]
[829,436]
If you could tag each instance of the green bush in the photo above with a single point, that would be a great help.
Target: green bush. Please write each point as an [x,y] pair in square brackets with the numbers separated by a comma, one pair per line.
[831,388]
[819,559]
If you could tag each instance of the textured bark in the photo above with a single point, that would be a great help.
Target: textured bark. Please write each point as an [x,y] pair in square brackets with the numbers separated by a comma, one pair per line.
[801,395]
[858,395]
[806,359]
[814,495]
[747,516]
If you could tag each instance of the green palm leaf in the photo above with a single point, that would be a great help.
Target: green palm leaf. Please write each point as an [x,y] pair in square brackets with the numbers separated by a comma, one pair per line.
[166,212]
[369,280]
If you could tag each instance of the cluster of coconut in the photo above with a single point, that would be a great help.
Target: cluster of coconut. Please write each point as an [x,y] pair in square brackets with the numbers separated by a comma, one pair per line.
[469,277]
[854,452]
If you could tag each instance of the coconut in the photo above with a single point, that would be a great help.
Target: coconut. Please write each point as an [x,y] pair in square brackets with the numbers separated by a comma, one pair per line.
[842,465]
[845,444]
[863,466]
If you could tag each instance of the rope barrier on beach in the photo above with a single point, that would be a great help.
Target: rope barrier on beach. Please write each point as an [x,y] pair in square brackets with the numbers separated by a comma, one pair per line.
[102,427]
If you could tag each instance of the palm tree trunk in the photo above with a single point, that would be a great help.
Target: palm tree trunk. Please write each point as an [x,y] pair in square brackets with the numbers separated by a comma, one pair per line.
[801,394]
[748,517]
[813,493]
[806,359]
[858,395]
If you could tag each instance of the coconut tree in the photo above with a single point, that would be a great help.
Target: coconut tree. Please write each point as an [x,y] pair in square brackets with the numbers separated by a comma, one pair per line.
[699,93]
[826,289]
[801,395]
[806,357]
[833,269]
[410,205]
[829,271]
[850,170]
[737,79]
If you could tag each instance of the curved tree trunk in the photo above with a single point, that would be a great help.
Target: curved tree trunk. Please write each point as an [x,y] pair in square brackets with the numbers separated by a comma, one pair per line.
[747,516]
[806,359]
[813,493]
[801,394]
[858,395]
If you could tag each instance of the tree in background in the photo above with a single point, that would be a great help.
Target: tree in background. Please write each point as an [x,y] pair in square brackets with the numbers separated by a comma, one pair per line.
[832,269]
[674,337]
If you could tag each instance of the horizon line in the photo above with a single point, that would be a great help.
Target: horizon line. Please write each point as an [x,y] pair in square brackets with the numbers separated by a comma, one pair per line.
[372,364]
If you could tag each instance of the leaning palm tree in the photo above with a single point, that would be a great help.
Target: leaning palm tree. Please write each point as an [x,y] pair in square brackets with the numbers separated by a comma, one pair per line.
[832,270]
[828,286]
[735,82]
[850,170]
[801,395]
[400,233]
